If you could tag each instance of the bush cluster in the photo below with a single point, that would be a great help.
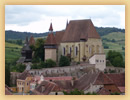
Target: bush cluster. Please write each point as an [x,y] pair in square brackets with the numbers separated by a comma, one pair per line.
[64,61]
[46,64]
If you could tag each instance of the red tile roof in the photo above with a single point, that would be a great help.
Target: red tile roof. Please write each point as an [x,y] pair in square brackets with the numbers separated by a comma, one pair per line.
[104,91]
[64,84]
[122,89]
[59,36]
[31,41]
[118,79]
[84,82]
[50,39]
[103,79]
[24,75]
[49,87]
[80,28]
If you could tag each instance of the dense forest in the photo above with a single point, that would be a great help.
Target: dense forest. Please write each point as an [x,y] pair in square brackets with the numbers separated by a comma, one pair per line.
[106,30]
[21,35]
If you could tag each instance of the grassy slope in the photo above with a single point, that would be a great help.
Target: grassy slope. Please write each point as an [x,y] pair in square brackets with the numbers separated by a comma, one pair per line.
[120,42]
[12,51]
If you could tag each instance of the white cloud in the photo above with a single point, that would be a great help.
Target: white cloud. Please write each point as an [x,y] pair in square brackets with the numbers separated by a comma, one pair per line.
[36,18]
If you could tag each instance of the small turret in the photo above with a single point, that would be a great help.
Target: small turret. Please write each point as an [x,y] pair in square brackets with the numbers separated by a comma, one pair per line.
[67,23]
[50,45]
[51,28]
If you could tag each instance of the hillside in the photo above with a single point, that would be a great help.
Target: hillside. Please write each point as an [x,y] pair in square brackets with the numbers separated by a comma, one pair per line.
[106,30]
[12,51]
[114,41]
[21,35]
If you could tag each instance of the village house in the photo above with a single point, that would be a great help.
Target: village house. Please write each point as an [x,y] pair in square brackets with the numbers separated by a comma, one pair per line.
[94,81]
[23,82]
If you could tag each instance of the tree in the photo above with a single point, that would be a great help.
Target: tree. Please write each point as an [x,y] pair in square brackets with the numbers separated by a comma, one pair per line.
[19,42]
[64,61]
[113,40]
[7,74]
[18,67]
[115,58]
[123,48]
[39,49]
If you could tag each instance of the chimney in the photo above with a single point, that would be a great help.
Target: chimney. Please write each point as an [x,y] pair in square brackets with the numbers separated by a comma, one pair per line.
[42,78]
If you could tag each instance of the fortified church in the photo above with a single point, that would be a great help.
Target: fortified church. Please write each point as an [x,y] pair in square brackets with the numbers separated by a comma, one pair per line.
[79,41]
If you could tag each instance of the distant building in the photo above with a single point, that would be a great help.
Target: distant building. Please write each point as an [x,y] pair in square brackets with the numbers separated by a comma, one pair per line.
[26,51]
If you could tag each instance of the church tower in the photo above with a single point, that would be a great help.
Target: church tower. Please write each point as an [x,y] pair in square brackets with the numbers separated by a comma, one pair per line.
[50,45]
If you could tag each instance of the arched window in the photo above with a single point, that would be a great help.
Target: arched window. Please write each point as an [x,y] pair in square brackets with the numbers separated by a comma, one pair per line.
[89,50]
[70,50]
[76,51]
[63,50]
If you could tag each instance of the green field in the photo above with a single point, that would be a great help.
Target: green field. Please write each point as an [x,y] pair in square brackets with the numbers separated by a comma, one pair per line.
[117,45]
[12,51]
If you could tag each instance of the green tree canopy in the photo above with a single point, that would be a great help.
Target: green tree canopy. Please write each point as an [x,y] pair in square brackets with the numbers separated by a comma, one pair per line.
[115,58]
[7,74]
[64,61]
[39,49]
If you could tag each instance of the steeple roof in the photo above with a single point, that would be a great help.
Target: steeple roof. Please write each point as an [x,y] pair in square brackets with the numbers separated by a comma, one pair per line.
[80,29]
[26,42]
[51,39]
[67,23]
[51,28]
[31,41]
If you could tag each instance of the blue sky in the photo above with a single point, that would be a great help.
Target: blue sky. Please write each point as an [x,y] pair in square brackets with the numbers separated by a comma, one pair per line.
[37,18]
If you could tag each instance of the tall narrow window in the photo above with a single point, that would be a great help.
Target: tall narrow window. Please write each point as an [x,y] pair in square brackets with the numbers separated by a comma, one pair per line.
[76,51]
[89,50]
[70,50]
[64,51]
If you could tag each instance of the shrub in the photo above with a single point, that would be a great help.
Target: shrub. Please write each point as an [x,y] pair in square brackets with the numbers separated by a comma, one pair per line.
[50,63]
[64,61]
[35,60]
[106,47]
[74,92]
[116,93]
[77,63]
